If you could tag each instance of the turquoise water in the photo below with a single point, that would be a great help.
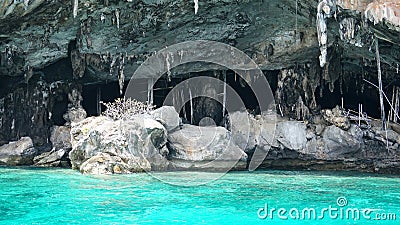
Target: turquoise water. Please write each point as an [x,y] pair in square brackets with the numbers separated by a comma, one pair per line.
[62,196]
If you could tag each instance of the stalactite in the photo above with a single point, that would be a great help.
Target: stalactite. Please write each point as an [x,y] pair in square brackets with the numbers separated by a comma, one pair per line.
[302,112]
[112,64]
[75,8]
[28,74]
[117,17]
[150,91]
[167,58]
[325,9]
[174,103]
[121,75]
[183,104]
[26,4]
[196,6]
[102,18]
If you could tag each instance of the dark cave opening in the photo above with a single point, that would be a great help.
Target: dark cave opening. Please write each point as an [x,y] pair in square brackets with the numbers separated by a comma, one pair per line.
[59,109]
[94,93]
[203,107]
[353,94]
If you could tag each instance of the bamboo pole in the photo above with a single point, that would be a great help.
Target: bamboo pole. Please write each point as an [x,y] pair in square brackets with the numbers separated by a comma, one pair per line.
[359,116]
[224,96]
[98,101]
[391,111]
[396,104]
[191,106]
[378,63]
[183,105]
[387,99]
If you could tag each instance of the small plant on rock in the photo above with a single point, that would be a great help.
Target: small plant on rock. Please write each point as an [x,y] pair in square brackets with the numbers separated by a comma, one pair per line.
[123,108]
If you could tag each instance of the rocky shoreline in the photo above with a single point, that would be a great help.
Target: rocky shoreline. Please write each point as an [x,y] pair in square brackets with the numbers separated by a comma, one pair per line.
[160,142]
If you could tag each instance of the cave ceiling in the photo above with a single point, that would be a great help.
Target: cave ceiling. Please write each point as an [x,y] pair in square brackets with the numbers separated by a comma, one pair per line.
[98,35]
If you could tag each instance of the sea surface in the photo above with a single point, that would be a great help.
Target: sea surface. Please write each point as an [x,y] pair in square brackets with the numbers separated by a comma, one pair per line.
[64,196]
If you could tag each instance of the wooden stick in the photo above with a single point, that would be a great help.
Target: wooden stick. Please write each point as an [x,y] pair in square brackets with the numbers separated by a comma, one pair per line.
[396,104]
[342,103]
[378,64]
[359,110]
[191,106]
[397,115]
[98,101]
[224,96]
[391,111]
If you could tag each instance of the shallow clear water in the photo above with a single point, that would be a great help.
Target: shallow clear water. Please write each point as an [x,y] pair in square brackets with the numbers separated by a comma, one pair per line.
[61,196]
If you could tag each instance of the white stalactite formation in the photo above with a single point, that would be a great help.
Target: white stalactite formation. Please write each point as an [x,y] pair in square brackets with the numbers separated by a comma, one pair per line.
[325,9]
[75,8]
[196,6]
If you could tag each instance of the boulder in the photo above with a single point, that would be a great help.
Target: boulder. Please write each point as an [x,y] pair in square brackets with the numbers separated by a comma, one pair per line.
[131,141]
[74,115]
[211,145]
[147,138]
[339,143]
[19,152]
[244,129]
[250,132]
[60,137]
[54,158]
[167,116]
[104,163]
[336,117]
[292,134]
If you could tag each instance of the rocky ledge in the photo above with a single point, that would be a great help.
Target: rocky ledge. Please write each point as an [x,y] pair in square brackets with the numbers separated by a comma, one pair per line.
[158,141]
[332,141]
[59,59]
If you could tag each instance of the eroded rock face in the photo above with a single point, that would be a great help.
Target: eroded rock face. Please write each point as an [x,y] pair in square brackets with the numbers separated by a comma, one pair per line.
[104,163]
[17,153]
[61,137]
[54,158]
[250,132]
[292,134]
[329,147]
[195,145]
[167,116]
[100,144]
[336,117]
[339,143]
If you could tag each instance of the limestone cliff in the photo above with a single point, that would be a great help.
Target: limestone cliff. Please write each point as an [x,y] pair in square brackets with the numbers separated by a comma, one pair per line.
[60,57]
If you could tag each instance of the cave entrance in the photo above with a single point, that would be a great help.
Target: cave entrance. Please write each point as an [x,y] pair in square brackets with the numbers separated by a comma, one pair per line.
[203,111]
[93,94]
[352,94]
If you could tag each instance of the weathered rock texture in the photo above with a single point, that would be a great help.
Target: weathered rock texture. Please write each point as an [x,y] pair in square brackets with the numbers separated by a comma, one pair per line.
[102,145]
[52,51]
[195,147]
[322,146]
[19,152]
